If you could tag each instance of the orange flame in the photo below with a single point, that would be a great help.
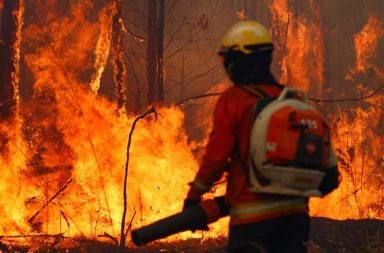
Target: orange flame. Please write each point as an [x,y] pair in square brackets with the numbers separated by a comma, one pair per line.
[358,141]
[366,43]
[103,45]
[18,14]
[302,66]
[300,40]
[73,134]
[13,162]
[359,149]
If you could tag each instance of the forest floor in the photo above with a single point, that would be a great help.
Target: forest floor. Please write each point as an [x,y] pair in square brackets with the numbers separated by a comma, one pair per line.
[327,236]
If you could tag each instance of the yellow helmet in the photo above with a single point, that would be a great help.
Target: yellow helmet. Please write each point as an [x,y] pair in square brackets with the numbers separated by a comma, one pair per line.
[247,37]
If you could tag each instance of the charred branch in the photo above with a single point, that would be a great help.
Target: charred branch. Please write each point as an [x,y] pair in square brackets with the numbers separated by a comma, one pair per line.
[123,233]
[113,239]
[129,225]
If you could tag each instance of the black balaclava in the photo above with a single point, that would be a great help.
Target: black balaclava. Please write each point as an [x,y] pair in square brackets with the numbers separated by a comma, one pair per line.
[253,68]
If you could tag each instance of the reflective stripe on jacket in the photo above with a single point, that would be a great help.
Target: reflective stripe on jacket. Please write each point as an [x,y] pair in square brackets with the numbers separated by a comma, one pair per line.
[267,209]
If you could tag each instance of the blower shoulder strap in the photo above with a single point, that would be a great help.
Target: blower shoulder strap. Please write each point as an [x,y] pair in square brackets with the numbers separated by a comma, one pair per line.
[265,100]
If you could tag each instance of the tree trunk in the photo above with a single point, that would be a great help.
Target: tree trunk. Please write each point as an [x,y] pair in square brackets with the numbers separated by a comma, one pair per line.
[160,53]
[118,56]
[155,51]
[152,51]
[10,39]
[9,57]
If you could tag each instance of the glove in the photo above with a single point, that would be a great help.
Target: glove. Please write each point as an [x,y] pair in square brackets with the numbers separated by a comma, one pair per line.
[190,203]
[330,181]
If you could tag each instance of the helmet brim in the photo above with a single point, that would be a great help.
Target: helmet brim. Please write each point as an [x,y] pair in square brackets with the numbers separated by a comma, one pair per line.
[249,48]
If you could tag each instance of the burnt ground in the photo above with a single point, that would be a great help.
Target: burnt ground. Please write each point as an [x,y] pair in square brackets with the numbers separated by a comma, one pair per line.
[327,236]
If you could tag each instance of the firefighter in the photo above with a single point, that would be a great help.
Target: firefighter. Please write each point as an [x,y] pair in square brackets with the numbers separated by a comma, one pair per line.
[258,222]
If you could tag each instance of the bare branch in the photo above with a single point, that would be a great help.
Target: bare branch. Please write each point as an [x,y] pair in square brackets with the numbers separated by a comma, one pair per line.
[130,223]
[191,79]
[311,99]
[181,24]
[132,5]
[152,110]
[106,235]
[198,97]
[135,36]
[170,8]
[348,99]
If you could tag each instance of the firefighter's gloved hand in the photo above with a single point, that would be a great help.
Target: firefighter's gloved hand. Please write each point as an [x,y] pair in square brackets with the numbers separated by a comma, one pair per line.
[190,203]
[330,181]
[202,223]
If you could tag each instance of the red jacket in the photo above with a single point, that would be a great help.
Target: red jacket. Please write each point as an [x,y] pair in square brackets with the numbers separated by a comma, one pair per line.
[228,141]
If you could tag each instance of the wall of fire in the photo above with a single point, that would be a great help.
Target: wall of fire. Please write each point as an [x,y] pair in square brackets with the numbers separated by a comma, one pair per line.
[73,136]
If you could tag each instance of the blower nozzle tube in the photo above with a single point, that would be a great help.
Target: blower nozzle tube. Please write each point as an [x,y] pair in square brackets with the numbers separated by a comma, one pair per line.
[193,218]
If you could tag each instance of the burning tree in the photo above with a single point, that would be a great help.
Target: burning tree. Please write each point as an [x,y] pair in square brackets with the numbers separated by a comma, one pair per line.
[10,40]
[118,54]
[307,58]
[71,183]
